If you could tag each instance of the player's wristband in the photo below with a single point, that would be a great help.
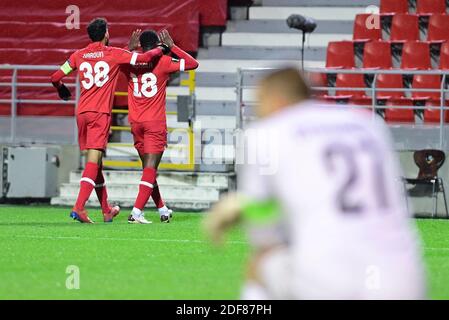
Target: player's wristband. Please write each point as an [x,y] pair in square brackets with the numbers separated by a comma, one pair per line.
[165,49]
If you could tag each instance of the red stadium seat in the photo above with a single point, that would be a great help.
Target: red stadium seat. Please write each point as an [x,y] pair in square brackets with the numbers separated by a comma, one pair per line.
[421,81]
[404,27]
[377,54]
[349,81]
[444,56]
[318,80]
[362,32]
[429,7]
[438,28]
[389,81]
[416,55]
[340,54]
[393,6]
[434,115]
[399,115]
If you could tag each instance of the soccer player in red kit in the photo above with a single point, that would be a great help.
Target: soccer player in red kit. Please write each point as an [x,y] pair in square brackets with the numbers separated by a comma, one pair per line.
[98,66]
[147,116]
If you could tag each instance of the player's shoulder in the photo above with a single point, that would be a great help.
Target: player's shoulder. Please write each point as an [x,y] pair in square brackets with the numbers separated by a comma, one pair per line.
[116,50]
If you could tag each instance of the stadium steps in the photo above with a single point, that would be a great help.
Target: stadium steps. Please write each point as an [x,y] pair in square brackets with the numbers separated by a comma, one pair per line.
[264,40]
[191,191]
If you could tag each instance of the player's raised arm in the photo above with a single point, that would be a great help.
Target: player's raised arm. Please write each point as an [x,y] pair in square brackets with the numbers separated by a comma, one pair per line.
[56,78]
[186,61]
[132,58]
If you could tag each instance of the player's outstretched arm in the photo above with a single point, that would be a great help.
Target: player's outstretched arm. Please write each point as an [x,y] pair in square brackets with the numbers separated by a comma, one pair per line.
[134,58]
[188,62]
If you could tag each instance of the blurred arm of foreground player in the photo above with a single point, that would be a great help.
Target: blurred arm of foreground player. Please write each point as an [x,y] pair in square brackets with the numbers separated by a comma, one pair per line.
[255,205]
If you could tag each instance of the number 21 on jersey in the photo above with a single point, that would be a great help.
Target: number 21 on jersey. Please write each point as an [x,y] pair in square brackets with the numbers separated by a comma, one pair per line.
[149,85]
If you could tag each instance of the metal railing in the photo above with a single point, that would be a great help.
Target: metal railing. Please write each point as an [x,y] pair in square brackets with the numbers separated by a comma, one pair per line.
[248,77]
[134,162]
[14,100]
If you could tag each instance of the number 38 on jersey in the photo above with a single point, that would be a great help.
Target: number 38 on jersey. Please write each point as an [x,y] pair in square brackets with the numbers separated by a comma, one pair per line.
[97,75]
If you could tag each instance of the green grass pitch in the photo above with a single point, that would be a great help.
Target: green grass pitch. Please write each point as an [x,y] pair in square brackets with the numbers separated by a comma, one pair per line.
[157,261]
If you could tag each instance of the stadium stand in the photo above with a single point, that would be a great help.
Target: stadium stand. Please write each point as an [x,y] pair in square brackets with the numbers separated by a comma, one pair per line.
[391,7]
[416,56]
[404,27]
[438,26]
[362,30]
[421,81]
[389,81]
[396,115]
[340,54]
[377,54]
[430,7]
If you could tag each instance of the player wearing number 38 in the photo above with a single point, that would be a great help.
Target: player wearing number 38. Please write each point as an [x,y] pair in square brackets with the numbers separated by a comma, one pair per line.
[328,218]
[98,65]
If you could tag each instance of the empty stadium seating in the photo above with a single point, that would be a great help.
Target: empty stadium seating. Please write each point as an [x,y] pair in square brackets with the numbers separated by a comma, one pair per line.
[404,27]
[438,28]
[391,7]
[421,81]
[362,32]
[413,44]
[444,56]
[389,81]
[395,115]
[340,54]
[416,55]
[434,115]
[429,7]
[377,54]
[345,80]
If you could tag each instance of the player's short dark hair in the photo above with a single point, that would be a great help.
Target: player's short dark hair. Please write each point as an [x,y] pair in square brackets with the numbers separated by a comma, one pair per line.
[97,29]
[148,39]
[290,81]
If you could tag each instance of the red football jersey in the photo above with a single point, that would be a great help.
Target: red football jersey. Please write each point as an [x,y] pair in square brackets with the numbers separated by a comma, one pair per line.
[99,67]
[147,85]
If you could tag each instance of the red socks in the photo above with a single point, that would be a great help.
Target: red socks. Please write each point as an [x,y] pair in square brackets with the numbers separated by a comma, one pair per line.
[101,191]
[145,187]
[87,183]
[156,195]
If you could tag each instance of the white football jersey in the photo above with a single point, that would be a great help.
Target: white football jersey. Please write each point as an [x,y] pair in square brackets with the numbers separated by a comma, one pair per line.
[344,215]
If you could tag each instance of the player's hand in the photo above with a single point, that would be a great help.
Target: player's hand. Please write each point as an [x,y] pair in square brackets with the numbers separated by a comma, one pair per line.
[222,216]
[166,39]
[165,49]
[64,92]
[133,43]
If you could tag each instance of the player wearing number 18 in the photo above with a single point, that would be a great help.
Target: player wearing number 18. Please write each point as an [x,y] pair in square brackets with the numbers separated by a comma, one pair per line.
[98,66]
[146,102]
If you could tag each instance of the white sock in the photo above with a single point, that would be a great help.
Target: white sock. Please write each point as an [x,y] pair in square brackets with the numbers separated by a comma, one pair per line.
[163,210]
[136,212]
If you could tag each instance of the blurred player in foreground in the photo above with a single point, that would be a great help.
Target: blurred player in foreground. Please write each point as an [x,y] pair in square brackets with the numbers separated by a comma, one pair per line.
[98,66]
[326,216]
[147,85]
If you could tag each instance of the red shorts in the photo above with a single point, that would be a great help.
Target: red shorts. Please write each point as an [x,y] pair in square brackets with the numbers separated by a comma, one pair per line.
[93,130]
[149,137]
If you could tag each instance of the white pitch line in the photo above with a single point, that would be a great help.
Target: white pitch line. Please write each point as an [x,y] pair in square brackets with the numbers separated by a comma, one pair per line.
[431,248]
[118,239]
